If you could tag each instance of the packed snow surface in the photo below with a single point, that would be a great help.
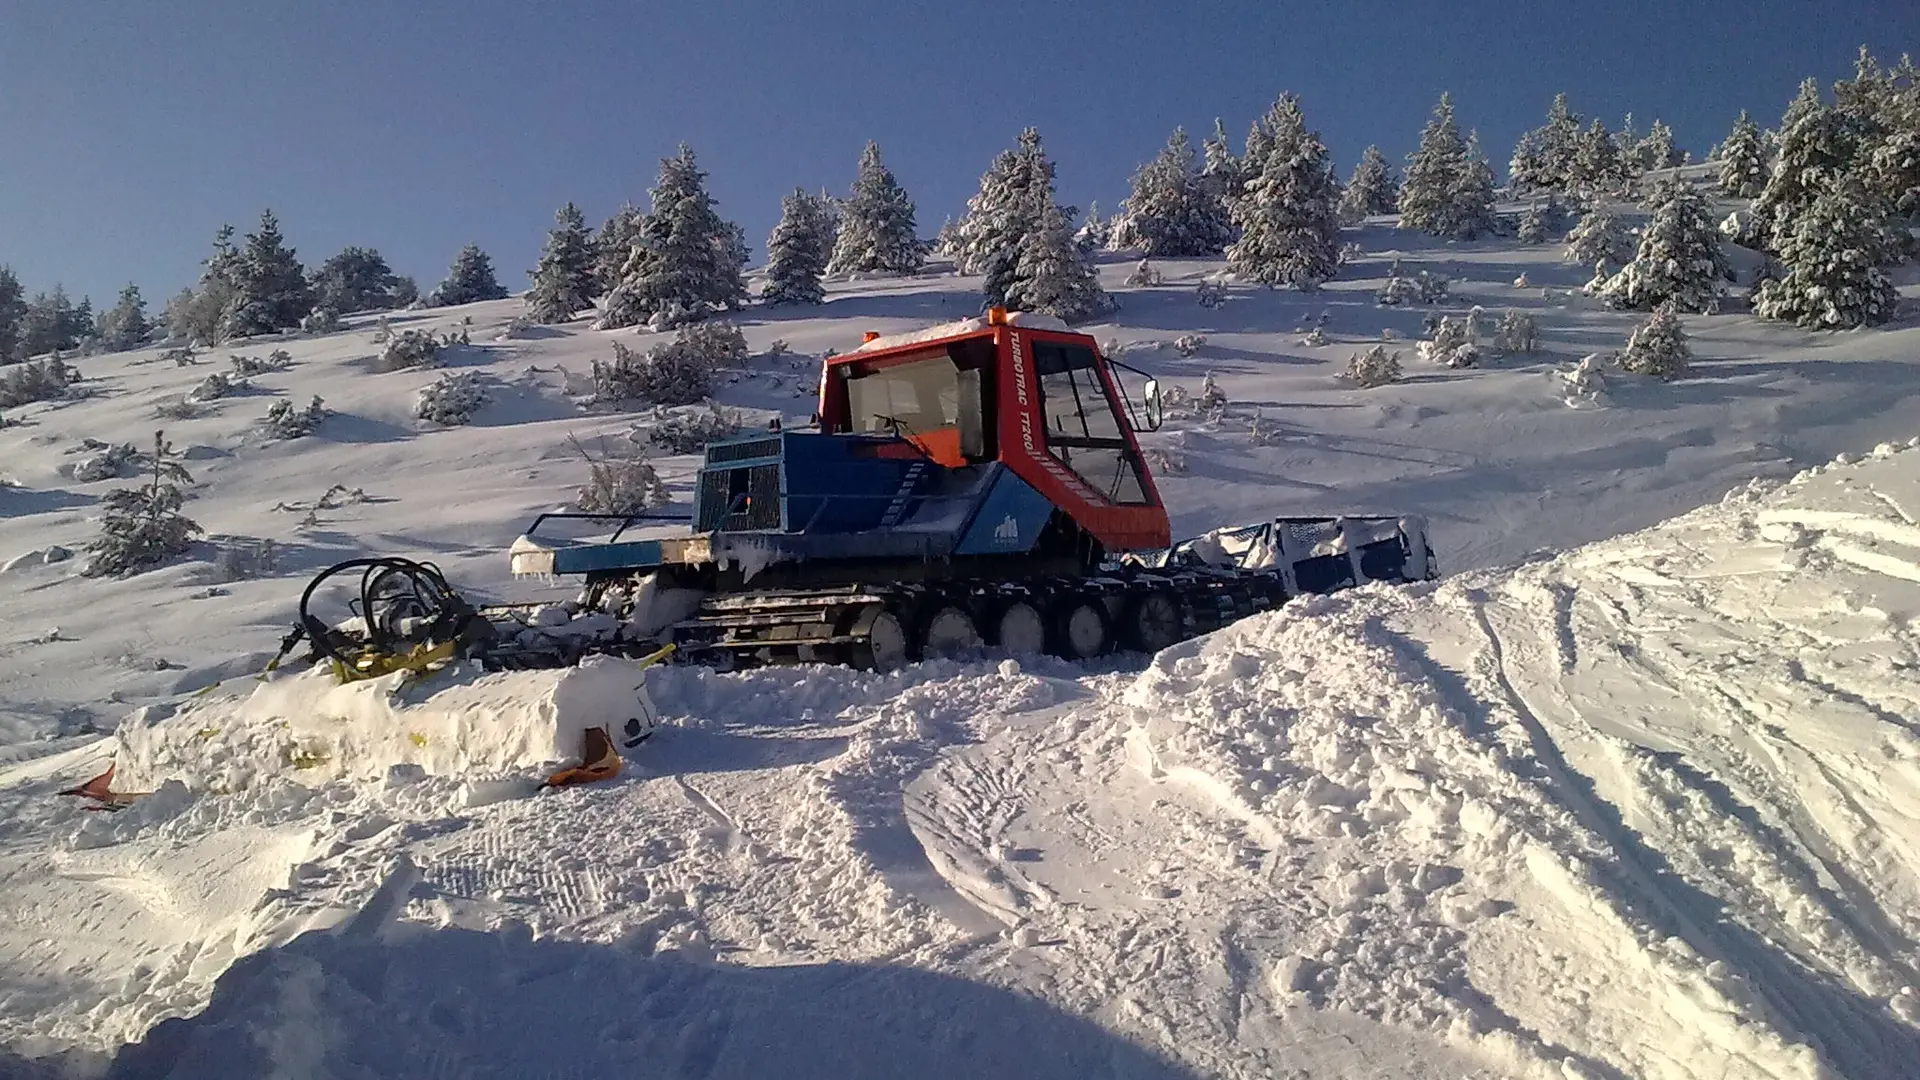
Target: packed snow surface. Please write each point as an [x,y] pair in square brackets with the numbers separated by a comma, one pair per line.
[1645,808]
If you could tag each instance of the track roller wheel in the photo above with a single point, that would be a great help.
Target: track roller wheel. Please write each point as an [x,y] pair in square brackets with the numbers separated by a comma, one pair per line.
[884,643]
[1020,630]
[947,631]
[1081,629]
[1152,622]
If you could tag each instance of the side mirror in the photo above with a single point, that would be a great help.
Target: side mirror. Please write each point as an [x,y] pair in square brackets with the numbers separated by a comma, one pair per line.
[1154,410]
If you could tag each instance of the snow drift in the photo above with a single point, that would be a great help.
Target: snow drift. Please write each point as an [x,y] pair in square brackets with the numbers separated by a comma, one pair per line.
[310,728]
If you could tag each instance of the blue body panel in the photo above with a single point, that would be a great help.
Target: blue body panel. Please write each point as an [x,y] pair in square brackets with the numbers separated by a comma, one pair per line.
[620,555]
[1009,520]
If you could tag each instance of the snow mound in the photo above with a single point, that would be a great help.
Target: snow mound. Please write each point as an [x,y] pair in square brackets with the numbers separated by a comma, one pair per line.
[311,729]
[1651,808]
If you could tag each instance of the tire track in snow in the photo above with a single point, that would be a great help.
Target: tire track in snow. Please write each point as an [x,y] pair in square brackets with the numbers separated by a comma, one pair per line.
[1808,1003]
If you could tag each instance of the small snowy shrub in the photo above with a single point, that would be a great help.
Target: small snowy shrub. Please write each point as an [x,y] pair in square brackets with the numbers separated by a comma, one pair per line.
[283,421]
[620,483]
[383,330]
[1521,282]
[410,349]
[1585,384]
[243,558]
[1143,275]
[1262,432]
[321,320]
[451,400]
[1431,287]
[671,374]
[1189,344]
[1213,400]
[1398,290]
[1451,345]
[111,463]
[1516,333]
[36,380]
[1375,367]
[1169,458]
[143,526]
[184,356]
[1211,295]
[516,328]
[216,386]
[178,409]
[722,344]
[689,431]
[1532,228]
[1315,338]
[248,366]
[1658,346]
[1476,322]
[1350,253]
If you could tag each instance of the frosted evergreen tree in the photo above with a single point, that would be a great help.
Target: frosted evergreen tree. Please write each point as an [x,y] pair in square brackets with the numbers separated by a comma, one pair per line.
[1220,169]
[13,305]
[125,326]
[614,243]
[1823,145]
[1804,102]
[1171,211]
[1095,232]
[876,224]
[469,280]
[1596,165]
[270,287]
[1471,212]
[1626,143]
[797,252]
[141,527]
[686,260]
[1437,176]
[1051,276]
[1289,228]
[1887,105]
[1370,190]
[1832,255]
[46,324]
[1533,224]
[1527,169]
[356,279]
[1599,239]
[1014,191]
[1678,260]
[1743,165]
[564,283]
[1658,346]
[1656,151]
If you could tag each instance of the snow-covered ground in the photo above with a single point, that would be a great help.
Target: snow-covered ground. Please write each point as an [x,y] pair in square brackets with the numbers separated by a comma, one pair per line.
[1648,808]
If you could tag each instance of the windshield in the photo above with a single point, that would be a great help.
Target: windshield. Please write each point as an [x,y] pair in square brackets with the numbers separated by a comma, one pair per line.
[1083,431]
[908,399]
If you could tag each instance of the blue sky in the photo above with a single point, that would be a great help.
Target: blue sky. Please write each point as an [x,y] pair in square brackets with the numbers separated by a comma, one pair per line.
[132,129]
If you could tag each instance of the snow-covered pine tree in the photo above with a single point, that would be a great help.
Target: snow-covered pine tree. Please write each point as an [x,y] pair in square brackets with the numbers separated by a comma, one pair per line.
[876,224]
[46,324]
[1656,151]
[1533,224]
[124,326]
[1658,346]
[564,283]
[1596,166]
[469,279]
[687,260]
[1370,190]
[1743,165]
[1220,170]
[270,286]
[1014,191]
[1888,101]
[144,526]
[1823,144]
[614,243]
[1095,232]
[1559,143]
[1832,255]
[79,328]
[1599,238]
[1804,102]
[1289,229]
[356,279]
[1527,168]
[1471,213]
[797,252]
[1436,172]
[1678,260]
[1051,276]
[1171,212]
[13,305]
